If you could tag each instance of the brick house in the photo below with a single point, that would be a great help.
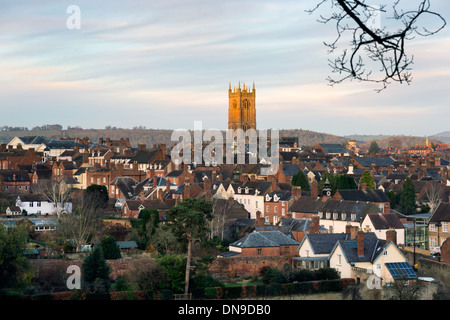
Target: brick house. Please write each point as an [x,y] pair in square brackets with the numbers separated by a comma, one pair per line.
[276,205]
[438,226]
[15,182]
[264,243]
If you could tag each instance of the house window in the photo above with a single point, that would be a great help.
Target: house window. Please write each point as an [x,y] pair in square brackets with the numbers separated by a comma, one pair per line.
[445,227]
[339,259]
[335,215]
[31,204]
[433,242]
[282,211]
[432,227]
[353,216]
[256,204]
[267,208]
[275,209]
[328,215]
[259,251]
[344,216]
[38,204]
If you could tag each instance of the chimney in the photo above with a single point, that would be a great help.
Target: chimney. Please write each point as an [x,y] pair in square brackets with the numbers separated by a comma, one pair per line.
[391,235]
[214,176]
[187,188]
[296,192]
[314,227]
[259,219]
[163,150]
[314,189]
[160,194]
[360,243]
[274,184]
[155,182]
[353,231]
[207,188]
[142,146]
[167,185]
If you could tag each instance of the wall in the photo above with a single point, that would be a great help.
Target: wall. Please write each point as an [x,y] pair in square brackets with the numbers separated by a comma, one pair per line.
[245,266]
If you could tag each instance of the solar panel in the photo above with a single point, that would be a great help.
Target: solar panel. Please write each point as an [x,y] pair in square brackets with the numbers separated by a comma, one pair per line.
[401,270]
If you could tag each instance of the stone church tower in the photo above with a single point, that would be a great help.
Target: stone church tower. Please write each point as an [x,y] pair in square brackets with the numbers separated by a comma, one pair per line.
[241,108]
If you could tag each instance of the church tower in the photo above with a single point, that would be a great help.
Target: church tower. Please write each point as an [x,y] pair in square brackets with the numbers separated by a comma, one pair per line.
[241,108]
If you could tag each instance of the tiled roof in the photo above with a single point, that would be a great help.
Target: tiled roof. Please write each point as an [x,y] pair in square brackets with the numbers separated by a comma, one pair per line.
[264,239]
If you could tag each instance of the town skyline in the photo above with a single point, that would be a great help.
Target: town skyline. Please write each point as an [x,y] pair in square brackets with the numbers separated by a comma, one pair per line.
[168,65]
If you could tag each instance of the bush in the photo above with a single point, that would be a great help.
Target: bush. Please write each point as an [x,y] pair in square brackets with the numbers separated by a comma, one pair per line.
[211,293]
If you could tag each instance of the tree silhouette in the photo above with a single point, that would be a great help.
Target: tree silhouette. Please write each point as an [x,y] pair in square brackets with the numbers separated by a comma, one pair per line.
[372,46]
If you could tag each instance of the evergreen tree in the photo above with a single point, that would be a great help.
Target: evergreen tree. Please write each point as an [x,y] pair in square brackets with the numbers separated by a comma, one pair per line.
[14,266]
[95,272]
[374,148]
[300,179]
[344,182]
[368,180]
[110,248]
[407,203]
[190,219]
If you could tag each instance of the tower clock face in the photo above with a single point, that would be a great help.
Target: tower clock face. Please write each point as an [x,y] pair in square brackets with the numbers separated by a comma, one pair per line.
[328,193]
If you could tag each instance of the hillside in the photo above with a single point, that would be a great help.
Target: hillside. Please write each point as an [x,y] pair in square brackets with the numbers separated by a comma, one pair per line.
[152,136]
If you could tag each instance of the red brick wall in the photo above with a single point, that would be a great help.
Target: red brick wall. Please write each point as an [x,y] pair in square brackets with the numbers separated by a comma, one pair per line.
[246,265]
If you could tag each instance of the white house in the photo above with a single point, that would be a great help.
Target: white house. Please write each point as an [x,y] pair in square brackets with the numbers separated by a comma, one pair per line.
[381,223]
[362,257]
[39,205]
[251,194]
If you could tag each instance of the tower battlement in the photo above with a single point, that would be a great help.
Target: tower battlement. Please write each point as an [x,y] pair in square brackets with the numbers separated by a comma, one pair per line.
[241,107]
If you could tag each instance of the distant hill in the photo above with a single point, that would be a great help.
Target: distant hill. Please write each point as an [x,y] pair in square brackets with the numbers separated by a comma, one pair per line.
[443,136]
[152,136]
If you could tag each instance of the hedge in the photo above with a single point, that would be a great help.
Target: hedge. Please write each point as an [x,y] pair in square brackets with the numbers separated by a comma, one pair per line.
[274,289]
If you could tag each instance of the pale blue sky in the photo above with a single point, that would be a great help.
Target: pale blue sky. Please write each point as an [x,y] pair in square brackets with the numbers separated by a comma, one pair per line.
[167,64]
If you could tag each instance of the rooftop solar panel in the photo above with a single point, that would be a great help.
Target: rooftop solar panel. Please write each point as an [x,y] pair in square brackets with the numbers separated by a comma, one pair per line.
[401,270]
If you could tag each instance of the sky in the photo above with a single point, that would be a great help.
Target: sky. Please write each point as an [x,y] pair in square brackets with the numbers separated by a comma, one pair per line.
[166,64]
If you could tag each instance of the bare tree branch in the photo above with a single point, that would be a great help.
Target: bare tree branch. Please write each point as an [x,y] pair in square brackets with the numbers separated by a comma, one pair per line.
[375,54]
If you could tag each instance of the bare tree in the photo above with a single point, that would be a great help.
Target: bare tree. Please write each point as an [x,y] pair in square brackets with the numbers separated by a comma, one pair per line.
[434,193]
[374,46]
[57,192]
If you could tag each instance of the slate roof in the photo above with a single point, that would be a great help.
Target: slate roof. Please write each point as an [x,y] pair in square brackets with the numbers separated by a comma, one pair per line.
[378,161]
[33,139]
[360,209]
[371,195]
[290,170]
[333,148]
[373,247]
[307,205]
[264,239]
[283,195]
[145,156]
[261,186]
[295,224]
[442,213]
[385,221]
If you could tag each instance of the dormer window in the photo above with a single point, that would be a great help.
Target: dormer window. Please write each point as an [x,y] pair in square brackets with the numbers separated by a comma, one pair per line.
[328,215]
[335,215]
[246,190]
[344,216]
[320,214]
[267,197]
[239,190]
[354,216]
[276,198]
